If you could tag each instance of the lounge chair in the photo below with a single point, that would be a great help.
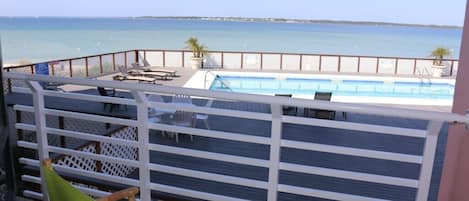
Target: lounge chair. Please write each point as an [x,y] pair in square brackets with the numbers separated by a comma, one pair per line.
[288,110]
[126,76]
[162,76]
[321,114]
[158,75]
[147,68]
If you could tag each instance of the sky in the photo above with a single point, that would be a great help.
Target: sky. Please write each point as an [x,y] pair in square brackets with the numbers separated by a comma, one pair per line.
[440,12]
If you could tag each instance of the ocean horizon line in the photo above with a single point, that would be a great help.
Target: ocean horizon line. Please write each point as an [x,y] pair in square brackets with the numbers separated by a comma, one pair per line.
[252,19]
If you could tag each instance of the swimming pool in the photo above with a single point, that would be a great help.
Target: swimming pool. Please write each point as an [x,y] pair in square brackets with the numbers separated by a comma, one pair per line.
[338,87]
[344,88]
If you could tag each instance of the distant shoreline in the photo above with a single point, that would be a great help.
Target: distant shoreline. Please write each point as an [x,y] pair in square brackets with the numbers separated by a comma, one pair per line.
[303,21]
[271,20]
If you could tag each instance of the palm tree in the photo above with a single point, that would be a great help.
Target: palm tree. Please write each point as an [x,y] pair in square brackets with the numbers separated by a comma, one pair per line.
[198,50]
[439,54]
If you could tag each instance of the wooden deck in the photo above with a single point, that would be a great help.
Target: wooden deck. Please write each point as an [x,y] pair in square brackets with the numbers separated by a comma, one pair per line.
[398,144]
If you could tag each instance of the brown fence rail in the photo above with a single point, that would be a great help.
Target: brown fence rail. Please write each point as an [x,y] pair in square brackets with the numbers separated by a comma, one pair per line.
[298,62]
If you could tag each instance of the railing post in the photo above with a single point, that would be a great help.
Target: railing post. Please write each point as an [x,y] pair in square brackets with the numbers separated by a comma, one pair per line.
[433,129]
[242,60]
[301,62]
[339,64]
[52,69]
[358,64]
[281,61]
[320,63]
[451,68]
[143,141]
[222,59]
[396,66]
[70,69]
[100,64]
[136,56]
[87,70]
[377,65]
[164,58]
[262,61]
[114,62]
[182,58]
[276,137]
[415,66]
[41,132]
[125,59]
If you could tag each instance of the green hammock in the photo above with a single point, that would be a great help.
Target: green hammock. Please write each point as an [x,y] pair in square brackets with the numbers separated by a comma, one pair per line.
[59,189]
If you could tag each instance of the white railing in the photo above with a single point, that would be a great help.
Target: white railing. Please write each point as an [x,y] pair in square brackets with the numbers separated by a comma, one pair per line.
[275,141]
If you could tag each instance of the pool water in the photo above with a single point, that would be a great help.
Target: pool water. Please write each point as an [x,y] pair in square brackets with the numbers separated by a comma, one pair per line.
[308,86]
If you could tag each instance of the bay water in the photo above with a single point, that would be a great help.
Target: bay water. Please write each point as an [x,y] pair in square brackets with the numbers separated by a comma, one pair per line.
[39,39]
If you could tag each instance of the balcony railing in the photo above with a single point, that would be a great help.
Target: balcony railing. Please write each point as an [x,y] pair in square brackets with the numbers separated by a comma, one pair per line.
[275,141]
[102,64]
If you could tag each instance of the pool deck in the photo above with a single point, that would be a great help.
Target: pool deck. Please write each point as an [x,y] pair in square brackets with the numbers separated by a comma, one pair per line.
[186,73]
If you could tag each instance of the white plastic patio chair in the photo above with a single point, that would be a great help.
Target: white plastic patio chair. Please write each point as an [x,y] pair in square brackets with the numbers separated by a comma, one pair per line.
[204,117]
[183,118]
[154,114]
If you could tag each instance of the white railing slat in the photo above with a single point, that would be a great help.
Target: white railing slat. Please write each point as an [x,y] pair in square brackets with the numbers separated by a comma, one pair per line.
[84,173]
[72,152]
[89,191]
[192,193]
[411,183]
[324,194]
[79,135]
[209,176]
[210,155]
[87,97]
[355,126]
[352,151]
[32,194]
[78,115]
[426,169]
[211,133]
[213,111]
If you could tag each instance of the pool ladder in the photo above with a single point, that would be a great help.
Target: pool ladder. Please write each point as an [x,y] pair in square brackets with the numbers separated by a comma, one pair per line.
[424,74]
[215,75]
